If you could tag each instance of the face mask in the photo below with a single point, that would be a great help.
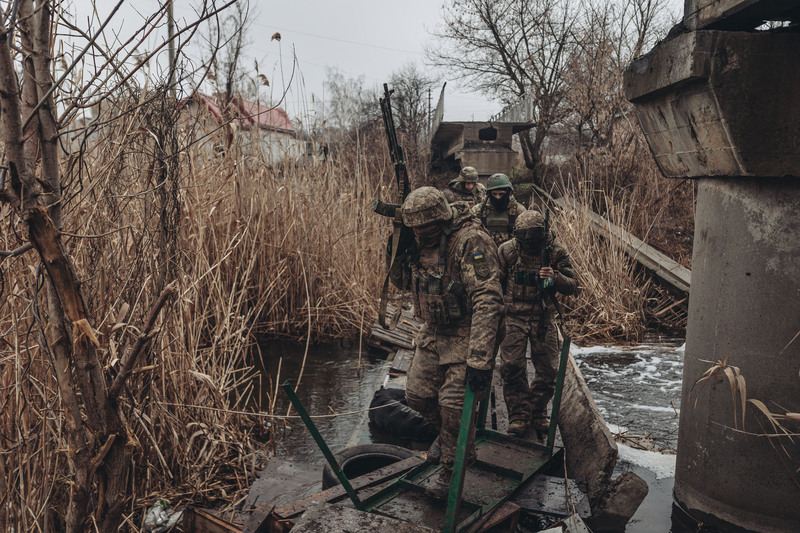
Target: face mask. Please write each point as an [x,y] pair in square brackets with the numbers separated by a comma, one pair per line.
[430,238]
[530,239]
[501,204]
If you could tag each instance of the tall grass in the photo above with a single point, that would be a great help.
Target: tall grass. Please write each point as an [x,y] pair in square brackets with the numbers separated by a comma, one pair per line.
[610,304]
[154,200]
[254,251]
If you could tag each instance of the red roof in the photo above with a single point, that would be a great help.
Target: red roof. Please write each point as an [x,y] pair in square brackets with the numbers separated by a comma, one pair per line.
[251,113]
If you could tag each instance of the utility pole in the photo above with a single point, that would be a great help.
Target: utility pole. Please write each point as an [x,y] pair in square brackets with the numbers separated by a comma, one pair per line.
[171,37]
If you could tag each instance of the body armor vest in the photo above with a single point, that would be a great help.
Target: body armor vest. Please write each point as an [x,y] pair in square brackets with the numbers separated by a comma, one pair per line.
[523,279]
[439,299]
[499,225]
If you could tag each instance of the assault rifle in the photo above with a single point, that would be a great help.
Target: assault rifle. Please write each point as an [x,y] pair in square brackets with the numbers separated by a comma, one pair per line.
[545,285]
[402,236]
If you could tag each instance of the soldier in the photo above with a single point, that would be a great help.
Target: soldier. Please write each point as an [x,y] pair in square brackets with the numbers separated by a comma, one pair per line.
[454,278]
[465,188]
[500,209]
[530,317]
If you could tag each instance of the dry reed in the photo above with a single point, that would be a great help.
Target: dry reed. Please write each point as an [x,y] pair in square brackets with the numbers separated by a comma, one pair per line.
[256,251]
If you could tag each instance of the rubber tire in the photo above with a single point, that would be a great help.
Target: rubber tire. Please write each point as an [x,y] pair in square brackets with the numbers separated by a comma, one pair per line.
[363,459]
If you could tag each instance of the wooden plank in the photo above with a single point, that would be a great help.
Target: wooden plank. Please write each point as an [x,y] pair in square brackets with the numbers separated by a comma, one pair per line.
[327,518]
[401,362]
[195,519]
[337,493]
[675,275]
[503,519]
[552,495]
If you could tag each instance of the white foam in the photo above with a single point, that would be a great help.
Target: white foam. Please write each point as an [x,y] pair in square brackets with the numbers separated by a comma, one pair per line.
[662,465]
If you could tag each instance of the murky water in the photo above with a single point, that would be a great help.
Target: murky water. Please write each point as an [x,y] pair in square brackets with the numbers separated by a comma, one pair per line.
[637,389]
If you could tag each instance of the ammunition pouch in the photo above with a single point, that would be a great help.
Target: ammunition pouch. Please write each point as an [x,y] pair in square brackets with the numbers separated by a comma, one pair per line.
[439,304]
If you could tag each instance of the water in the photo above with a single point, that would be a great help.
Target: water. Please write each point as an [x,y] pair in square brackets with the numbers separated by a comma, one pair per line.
[637,389]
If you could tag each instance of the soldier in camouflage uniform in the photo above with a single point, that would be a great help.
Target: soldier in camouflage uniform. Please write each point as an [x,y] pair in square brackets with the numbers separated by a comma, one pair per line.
[465,188]
[500,209]
[529,316]
[454,278]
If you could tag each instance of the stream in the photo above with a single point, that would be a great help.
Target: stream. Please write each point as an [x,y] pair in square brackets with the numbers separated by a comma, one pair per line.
[637,389]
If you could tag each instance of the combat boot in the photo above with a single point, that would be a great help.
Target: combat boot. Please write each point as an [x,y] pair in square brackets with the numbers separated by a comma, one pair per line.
[439,487]
[541,423]
[434,453]
[517,428]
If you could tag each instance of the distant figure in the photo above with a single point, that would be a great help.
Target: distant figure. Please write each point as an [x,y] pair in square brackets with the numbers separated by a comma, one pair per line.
[530,314]
[465,188]
[454,278]
[500,209]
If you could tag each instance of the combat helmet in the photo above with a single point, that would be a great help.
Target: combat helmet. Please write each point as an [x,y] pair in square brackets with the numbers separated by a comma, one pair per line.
[529,227]
[499,181]
[468,175]
[425,205]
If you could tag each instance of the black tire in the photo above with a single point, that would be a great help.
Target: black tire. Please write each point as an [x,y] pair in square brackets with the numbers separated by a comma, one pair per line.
[363,459]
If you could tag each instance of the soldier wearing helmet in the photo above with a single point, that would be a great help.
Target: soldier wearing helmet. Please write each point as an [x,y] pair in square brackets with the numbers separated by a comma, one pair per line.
[530,317]
[454,278]
[465,188]
[500,209]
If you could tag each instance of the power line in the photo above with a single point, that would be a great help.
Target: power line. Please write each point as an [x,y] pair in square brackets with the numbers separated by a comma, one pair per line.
[339,40]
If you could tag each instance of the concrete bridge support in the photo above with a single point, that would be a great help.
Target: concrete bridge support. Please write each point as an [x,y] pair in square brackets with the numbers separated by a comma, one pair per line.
[723,107]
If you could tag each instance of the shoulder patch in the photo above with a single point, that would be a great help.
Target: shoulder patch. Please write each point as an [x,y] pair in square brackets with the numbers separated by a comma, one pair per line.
[481,266]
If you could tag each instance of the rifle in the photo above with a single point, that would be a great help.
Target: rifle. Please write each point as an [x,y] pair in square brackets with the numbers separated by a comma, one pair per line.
[545,285]
[401,235]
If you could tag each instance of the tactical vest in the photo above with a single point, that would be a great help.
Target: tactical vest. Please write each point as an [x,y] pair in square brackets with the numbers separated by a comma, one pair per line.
[523,279]
[500,225]
[439,299]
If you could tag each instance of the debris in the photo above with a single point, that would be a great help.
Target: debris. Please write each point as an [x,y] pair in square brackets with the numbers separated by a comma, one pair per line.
[160,517]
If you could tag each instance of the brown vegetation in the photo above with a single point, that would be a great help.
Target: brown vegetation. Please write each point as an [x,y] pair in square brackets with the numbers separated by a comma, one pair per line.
[143,259]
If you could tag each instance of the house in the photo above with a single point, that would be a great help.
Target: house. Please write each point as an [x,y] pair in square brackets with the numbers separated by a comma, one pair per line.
[270,127]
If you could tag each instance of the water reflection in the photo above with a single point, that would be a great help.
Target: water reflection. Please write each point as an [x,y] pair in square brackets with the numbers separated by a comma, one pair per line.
[334,382]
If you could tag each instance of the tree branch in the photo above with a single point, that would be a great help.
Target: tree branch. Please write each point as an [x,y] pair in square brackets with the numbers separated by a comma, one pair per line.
[126,365]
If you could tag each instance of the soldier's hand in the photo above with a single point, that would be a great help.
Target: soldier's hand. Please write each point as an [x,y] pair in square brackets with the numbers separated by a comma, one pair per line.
[479,380]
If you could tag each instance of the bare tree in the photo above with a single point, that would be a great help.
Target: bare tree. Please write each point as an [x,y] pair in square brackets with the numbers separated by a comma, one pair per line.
[37,196]
[607,37]
[511,50]
[229,37]
[347,104]
[411,100]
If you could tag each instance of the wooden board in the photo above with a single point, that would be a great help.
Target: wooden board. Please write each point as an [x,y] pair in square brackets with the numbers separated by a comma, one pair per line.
[401,362]
[400,337]
[552,495]
[329,518]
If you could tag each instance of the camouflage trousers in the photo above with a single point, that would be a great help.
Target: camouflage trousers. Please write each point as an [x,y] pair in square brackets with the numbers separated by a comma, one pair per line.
[436,391]
[525,400]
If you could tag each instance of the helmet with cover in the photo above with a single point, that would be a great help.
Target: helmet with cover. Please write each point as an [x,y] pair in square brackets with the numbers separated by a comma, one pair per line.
[424,206]
[529,229]
[468,175]
[499,181]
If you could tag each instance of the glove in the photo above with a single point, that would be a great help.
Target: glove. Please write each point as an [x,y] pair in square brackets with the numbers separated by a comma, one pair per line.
[479,380]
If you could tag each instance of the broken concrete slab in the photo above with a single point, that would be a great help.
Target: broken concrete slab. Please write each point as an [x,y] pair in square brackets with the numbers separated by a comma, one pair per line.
[619,503]
[588,443]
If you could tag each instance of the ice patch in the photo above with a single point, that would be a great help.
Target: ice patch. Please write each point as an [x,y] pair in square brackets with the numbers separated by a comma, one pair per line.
[662,465]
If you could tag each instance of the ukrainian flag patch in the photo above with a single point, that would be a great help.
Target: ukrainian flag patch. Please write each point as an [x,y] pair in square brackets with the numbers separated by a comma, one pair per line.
[480,265]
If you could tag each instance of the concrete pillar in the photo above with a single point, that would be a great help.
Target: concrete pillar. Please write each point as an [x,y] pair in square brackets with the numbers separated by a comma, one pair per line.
[744,305]
[724,108]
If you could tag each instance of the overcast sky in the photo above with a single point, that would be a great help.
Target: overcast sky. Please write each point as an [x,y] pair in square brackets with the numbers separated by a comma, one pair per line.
[369,38]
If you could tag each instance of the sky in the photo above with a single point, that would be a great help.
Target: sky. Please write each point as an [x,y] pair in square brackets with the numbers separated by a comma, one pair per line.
[360,38]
